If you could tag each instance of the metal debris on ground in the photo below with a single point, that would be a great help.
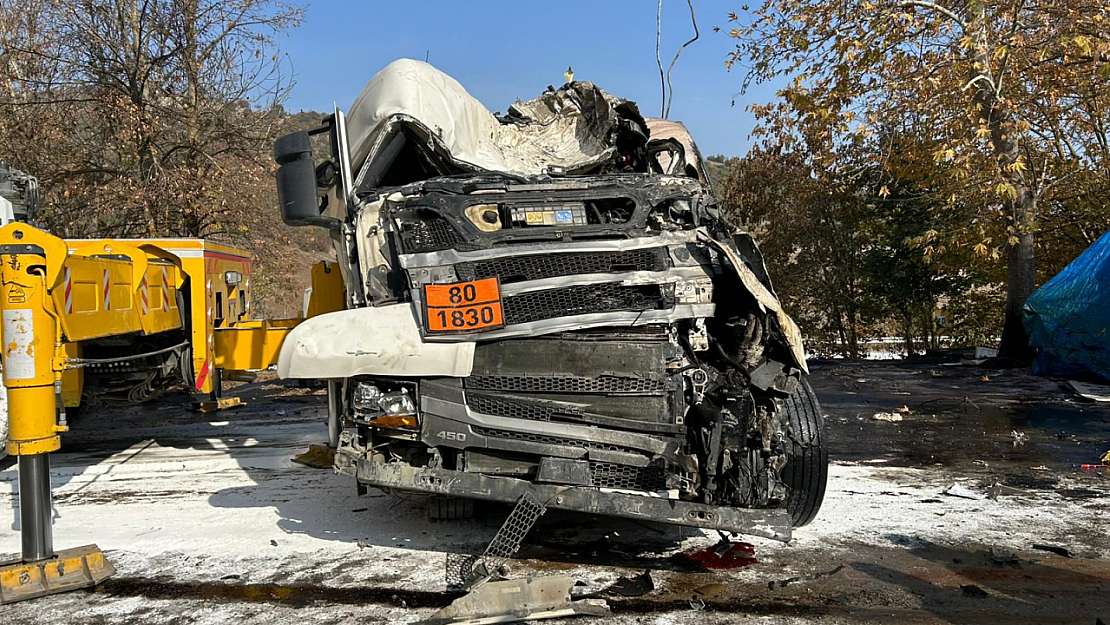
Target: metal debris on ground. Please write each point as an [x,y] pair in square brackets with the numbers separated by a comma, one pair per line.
[890,417]
[783,583]
[511,601]
[1092,392]
[1103,463]
[1018,438]
[998,489]
[468,570]
[956,490]
[1056,549]
[317,457]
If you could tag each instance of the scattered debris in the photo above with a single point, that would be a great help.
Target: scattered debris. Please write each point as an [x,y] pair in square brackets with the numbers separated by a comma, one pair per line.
[465,571]
[723,555]
[637,586]
[891,417]
[904,409]
[971,590]
[984,378]
[1092,392]
[783,583]
[518,600]
[998,488]
[1103,463]
[1060,551]
[980,463]
[956,490]
[1018,438]
[317,457]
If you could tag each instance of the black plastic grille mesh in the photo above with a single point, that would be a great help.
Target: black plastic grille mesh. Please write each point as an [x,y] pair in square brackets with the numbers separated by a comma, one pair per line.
[499,406]
[519,268]
[565,384]
[466,570]
[546,439]
[609,475]
[425,231]
[586,298]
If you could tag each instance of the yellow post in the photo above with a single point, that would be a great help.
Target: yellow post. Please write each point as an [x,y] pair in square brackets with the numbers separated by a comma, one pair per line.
[30,334]
[31,360]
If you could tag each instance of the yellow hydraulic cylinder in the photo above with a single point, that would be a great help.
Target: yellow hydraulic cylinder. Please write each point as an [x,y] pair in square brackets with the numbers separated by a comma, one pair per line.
[30,336]
[32,359]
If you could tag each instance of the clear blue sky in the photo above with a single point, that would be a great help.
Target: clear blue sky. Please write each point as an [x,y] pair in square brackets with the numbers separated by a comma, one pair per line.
[503,51]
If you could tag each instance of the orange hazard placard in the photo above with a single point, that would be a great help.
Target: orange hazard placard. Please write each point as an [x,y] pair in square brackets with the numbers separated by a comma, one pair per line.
[470,306]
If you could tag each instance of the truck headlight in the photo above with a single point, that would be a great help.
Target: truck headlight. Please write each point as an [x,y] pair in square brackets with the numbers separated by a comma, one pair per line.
[397,403]
[366,397]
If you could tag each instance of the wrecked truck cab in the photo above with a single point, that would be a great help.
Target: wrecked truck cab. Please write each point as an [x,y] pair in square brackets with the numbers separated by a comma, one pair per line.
[550,303]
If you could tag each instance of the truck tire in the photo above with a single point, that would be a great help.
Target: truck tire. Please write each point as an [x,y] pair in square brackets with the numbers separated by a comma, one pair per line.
[450,509]
[807,459]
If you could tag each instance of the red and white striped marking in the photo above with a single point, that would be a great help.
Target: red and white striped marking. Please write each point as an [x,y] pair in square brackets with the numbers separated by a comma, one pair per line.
[69,290]
[165,289]
[143,298]
[106,287]
[203,375]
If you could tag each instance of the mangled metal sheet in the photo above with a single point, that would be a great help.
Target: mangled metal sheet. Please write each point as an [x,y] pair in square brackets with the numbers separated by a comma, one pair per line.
[512,601]
[572,129]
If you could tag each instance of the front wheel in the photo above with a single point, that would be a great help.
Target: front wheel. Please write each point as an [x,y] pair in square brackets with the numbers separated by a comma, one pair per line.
[807,459]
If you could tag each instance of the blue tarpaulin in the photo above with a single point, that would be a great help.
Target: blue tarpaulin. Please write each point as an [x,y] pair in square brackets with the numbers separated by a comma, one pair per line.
[1068,318]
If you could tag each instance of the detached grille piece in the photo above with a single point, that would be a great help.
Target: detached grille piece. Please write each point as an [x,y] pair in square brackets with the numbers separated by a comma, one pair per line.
[587,298]
[535,267]
[606,384]
[426,231]
[609,475]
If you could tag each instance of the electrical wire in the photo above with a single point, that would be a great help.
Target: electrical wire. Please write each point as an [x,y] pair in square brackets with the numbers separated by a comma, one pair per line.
[669,92]
[659,59]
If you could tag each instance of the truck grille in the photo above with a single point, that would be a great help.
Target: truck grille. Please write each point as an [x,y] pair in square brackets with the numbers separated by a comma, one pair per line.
[426,231]
[546,439]
[584,299]
[501,407]
[535,267]
[627,477]
[606,384]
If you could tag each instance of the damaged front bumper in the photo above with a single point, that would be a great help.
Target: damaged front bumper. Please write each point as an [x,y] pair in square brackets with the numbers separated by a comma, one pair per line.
[373,470]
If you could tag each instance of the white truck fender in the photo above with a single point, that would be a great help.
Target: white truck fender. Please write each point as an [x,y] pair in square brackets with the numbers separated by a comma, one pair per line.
[380,340]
